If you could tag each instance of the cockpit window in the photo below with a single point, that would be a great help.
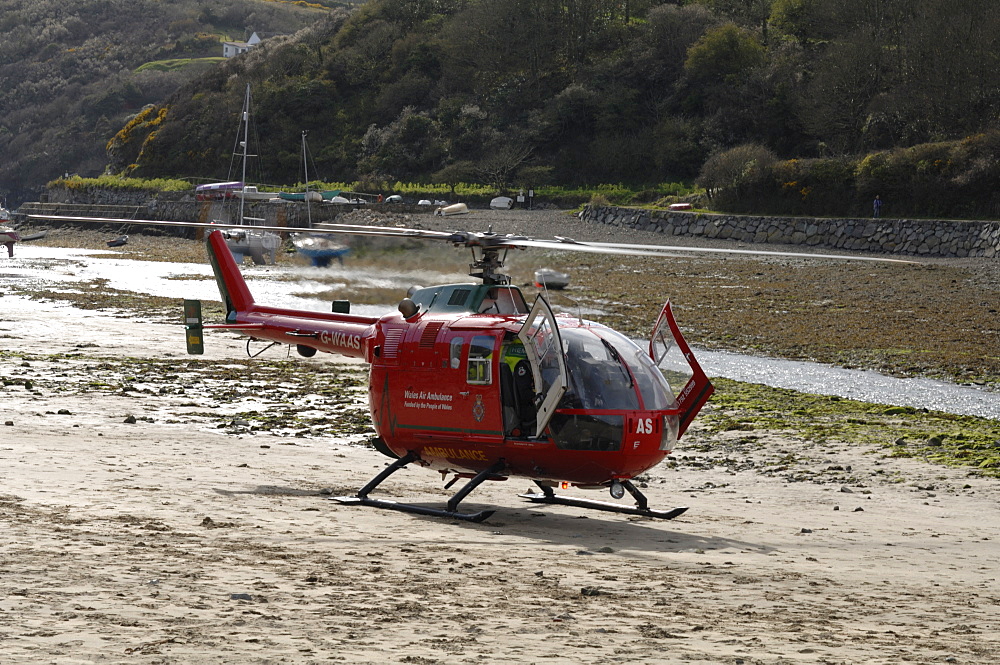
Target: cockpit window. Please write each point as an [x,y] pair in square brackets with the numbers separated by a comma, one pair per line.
[455,352]
[598,375]
[503,300]
[609,371]
[480,366]
[656,392]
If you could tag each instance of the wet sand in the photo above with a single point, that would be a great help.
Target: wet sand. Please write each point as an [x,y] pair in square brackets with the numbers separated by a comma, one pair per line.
[152,513]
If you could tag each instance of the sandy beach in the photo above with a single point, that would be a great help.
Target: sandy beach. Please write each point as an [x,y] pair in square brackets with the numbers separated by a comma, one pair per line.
[160,508]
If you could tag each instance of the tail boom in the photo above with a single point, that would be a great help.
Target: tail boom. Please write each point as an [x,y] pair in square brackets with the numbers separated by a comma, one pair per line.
[345,334]
[332,333]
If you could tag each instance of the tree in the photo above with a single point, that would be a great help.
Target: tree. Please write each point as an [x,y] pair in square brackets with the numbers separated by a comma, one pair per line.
[807,20]
[500,163]
[455,173]
[410,147]
[752,13]
[723,53]
[735,171]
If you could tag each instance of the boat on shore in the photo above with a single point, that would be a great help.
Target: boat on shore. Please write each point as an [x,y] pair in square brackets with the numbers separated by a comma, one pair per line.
[8,236]
[546,278]
[453,209]
[310,196]
[35,236]
[320,250]
[250,193]
[260,246]
[217,191]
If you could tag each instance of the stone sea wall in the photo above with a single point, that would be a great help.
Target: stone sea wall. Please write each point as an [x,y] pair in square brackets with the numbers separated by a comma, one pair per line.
[922,237]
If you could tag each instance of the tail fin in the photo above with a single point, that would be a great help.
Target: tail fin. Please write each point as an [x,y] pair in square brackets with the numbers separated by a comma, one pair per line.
[235,293]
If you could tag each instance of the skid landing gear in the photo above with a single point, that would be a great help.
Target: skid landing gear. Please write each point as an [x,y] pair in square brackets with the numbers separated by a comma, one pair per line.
[641,506]
[452,510]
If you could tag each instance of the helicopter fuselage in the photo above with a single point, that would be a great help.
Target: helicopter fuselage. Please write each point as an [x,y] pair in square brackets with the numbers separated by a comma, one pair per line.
[467,378]
[458,392]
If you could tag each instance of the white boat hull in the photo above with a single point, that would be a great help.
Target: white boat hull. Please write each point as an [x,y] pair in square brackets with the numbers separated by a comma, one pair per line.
[260,246]
[453,209]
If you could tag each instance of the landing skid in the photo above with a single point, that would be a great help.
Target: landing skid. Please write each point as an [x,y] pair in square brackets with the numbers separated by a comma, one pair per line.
[452,510]
[411,508]
[641,506]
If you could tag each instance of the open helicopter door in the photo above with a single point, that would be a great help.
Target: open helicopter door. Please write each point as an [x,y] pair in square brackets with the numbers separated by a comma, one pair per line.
[671,353]
[543,346]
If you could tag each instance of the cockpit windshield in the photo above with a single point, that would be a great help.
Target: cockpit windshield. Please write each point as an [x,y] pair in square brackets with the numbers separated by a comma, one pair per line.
[598,379]
[653,387]
[608,371]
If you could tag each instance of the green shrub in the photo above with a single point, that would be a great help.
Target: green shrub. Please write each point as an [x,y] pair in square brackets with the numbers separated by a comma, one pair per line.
[120,183]
[598,200]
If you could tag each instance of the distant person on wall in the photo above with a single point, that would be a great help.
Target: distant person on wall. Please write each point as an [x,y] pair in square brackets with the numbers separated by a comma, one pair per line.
[877,207]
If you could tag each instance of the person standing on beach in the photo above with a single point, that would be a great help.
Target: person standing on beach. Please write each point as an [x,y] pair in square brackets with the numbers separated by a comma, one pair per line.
[877,207]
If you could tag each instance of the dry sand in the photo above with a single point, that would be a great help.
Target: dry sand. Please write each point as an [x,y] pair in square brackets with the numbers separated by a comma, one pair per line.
[171,540]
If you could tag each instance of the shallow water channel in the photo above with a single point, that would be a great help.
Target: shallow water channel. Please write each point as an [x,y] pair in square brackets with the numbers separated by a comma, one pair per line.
[48,267]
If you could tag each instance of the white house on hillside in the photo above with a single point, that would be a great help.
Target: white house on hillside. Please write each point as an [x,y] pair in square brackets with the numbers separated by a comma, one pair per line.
[230,49]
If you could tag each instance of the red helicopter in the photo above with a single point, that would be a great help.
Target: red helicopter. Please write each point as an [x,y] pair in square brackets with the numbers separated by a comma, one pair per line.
[470,381]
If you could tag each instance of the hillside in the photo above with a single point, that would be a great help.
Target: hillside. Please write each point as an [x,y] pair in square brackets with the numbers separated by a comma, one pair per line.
[514,93]
[72,73]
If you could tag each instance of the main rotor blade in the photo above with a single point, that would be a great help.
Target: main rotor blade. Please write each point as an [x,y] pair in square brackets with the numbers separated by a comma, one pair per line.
[343,229]
[387,231]
[475,239]
[592,248]
[658,250]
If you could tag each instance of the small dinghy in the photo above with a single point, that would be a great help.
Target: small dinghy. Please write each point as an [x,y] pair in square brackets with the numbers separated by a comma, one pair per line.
[453,209]
[546,278]
[118,242]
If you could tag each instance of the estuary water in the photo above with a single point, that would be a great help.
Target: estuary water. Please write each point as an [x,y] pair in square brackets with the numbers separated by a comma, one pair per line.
[863,385]
[73,269]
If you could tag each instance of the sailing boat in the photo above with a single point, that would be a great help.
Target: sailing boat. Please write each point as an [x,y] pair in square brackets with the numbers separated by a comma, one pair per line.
[318,249]
[261,246]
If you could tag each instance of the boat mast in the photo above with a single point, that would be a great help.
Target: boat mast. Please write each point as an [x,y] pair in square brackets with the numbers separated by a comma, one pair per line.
[244,144]
[305,168]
